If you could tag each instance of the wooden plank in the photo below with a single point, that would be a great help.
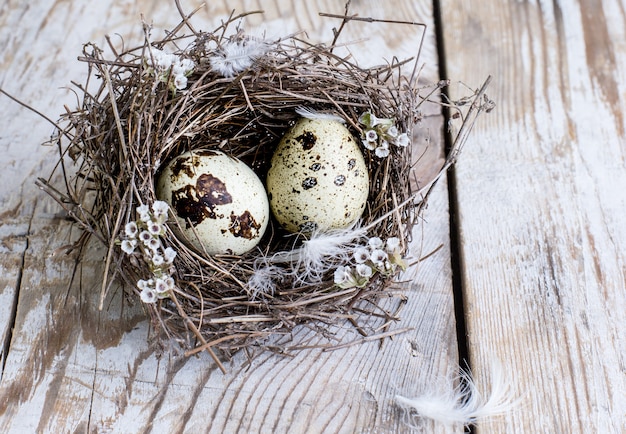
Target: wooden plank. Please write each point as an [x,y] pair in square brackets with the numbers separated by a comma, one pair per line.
[541,205]
[70,367]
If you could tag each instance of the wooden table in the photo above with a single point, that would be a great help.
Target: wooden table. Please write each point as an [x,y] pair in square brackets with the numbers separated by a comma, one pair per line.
[531,220]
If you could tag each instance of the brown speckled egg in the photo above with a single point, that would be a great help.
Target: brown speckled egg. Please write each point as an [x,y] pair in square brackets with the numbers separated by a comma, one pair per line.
[318,177]
[220,203]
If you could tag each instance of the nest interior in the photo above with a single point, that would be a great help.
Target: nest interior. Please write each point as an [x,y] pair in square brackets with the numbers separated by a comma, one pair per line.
[239,97]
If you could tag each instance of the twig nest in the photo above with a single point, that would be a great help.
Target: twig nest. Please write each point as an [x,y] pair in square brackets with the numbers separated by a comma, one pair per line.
[224,113]
[318,178]
[219,202]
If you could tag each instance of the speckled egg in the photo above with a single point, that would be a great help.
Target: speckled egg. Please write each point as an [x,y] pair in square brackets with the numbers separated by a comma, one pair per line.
[318,177]
[220,203]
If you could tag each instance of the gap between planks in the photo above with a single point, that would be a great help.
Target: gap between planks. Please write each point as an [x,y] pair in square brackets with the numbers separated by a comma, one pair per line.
[455,251]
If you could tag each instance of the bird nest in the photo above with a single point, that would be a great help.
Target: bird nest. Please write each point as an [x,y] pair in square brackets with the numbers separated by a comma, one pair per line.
[228,91]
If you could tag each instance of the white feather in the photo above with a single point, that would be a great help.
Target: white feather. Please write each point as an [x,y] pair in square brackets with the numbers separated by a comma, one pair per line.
[320,253]
[463,404]
[313,114]
[264,279]
[236,56]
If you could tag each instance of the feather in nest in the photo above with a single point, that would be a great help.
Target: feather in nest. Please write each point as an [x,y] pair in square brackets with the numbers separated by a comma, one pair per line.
[307,264]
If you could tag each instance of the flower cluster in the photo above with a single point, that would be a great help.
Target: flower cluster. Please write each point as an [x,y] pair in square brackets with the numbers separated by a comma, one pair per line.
[167,66]
[143,239]
[379,133]
[376,257]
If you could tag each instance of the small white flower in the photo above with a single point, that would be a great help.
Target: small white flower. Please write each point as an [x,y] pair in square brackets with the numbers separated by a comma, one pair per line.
[154,228]
[143,211]
[169,281]
[154,244]
[364,270]
[371,136]
[342,275]
[392,131]
[392,245]
[157,260]
[368,145]
[361,254]
[403,140]
[162,60]
[145,237]
[131,229]
[375,243]
[187,65]
[383,149]
[148,295]
[142,284]
[180,81]
[169,254]
[160,208]
[128,246]
[379,257]
[161,286]
[177,69]
[381,152]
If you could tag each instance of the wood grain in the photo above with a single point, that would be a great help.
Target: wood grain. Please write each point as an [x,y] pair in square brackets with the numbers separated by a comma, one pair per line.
[68,367]
[541,206]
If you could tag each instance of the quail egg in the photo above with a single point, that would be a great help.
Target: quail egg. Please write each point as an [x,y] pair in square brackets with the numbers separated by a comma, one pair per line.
[220,203]
[317,178]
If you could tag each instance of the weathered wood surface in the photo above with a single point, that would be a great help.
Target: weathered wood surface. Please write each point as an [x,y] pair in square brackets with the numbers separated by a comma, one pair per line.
[541,204]
[67,367]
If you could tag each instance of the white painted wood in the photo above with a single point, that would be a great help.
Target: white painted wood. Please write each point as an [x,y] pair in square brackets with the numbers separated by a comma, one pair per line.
[542,204]
[72,368]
